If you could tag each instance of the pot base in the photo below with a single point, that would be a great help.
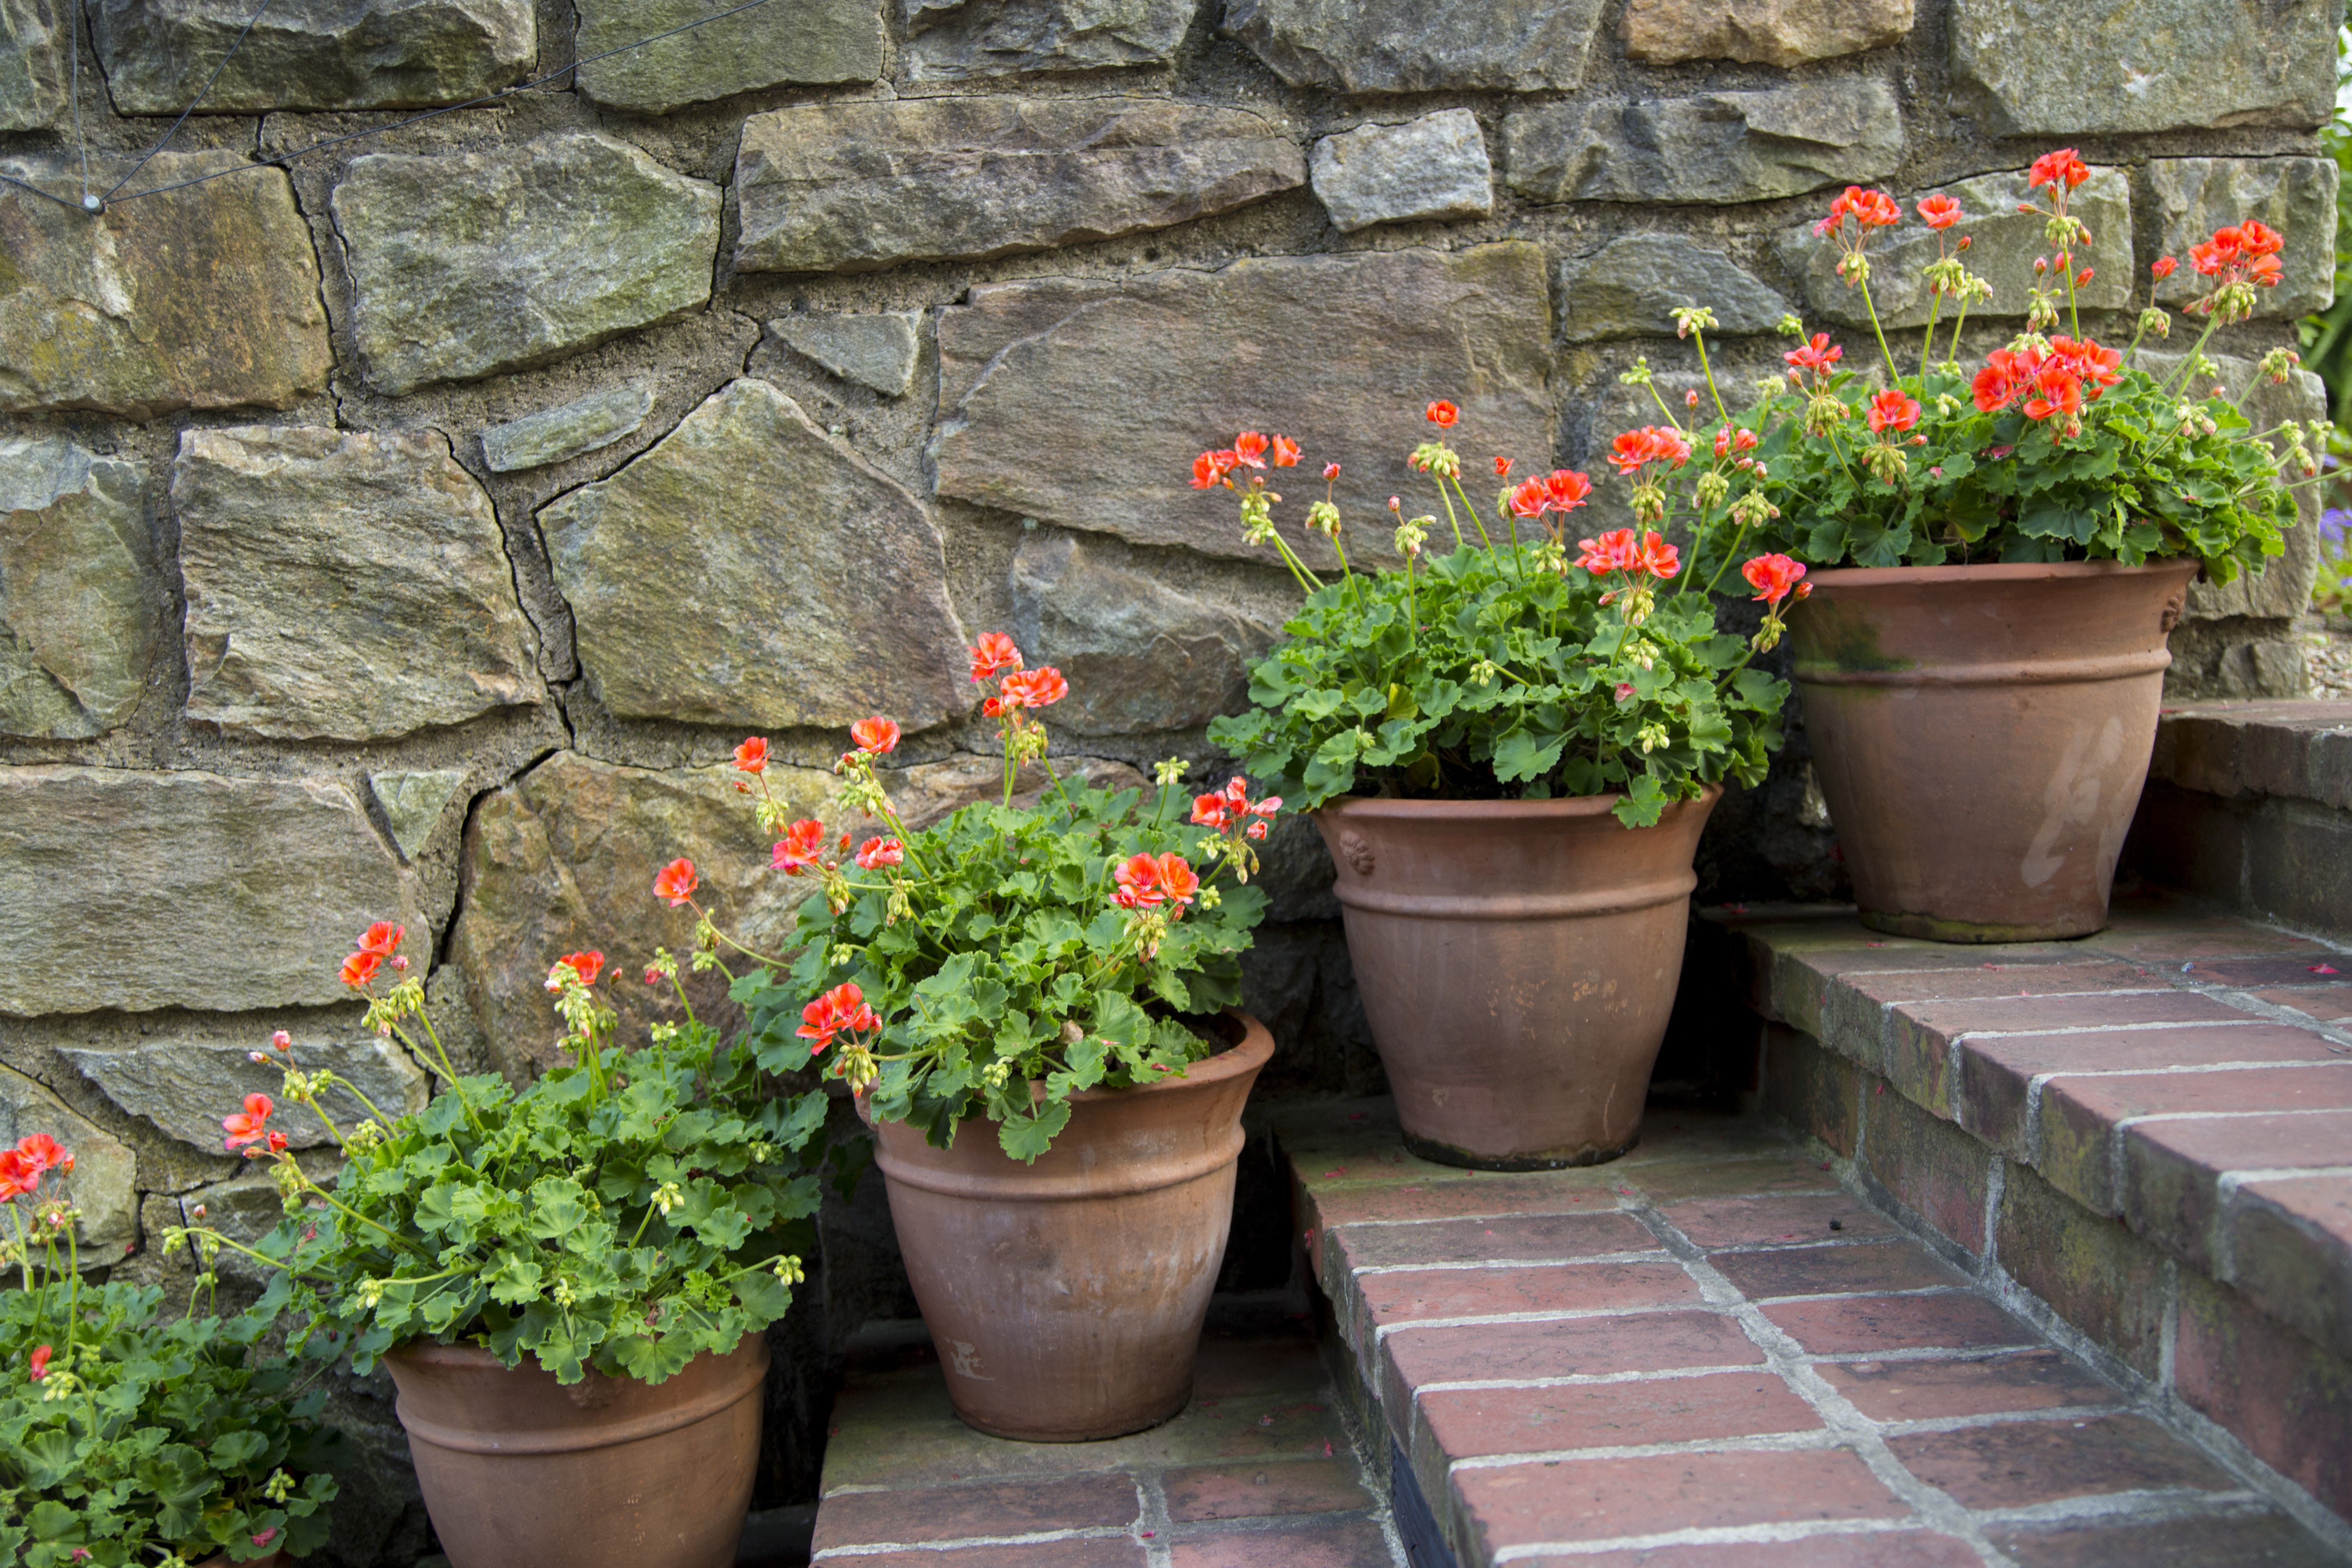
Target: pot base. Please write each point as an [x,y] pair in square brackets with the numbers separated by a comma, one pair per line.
[1933,928]
[1128,1428]
[1538,1160]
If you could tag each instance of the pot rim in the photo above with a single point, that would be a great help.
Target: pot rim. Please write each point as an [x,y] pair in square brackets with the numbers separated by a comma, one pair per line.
[432,1354]
[1570,808]
[1251,1052]
[1993,572]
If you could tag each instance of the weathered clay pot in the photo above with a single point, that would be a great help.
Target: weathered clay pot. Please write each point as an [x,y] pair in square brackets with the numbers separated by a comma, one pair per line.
[1981,734]
[220,1560]
[1065,1297]
[519,1471]
[1518,960]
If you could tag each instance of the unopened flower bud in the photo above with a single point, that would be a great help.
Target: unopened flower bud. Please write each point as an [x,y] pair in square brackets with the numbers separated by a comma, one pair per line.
[282,1041]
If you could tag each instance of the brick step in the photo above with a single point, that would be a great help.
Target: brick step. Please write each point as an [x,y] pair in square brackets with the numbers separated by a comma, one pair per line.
[1716,1353]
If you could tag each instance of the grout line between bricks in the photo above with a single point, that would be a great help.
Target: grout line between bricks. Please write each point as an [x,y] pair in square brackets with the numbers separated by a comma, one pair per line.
[1652,1255]
[1754,1443]
[1151,1525]
[1713,1535]
[1579,1379]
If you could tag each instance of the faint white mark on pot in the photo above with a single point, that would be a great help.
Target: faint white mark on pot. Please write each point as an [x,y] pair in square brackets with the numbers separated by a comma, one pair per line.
[2071,800]
[965,1363]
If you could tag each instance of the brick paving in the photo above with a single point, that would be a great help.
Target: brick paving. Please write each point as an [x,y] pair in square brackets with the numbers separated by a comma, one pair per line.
[1714,1355]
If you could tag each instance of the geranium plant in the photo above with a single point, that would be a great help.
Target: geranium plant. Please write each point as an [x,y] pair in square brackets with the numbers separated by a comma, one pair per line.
[628,1211]
[2055,447]
[1006,957]
[127,1438]
[1509,668]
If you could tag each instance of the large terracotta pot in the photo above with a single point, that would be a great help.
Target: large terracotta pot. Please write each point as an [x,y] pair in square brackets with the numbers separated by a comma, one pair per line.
[519,1471]
[1517,960]
[1065,1297]
[1981,734]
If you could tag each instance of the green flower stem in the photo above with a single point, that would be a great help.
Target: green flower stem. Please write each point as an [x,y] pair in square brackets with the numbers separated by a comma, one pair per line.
[1928,341]
[1730,554]
[1892,374]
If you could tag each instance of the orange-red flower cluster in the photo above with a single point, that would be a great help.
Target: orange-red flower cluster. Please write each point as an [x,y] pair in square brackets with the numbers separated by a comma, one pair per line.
[1222,808]
[876,852]
[1728,441]
[1561,490]
[2049,382]
[586,965]
[21,1168]
[802,845]
[1251,449]
[1893,410]
[1816,356]
[1442,413]
[1870,210]
[1940,212]
[993,652]
[2248,251]
[2054,169]
[676,882]
[841,1010]
[246,1129]
[1775,577]
[874,736]
[752,756]
[1621,550]
[380,941]
[1149,883]
[1040,688]
[1651,444]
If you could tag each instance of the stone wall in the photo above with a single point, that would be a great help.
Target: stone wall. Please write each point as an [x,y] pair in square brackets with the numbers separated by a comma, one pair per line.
[412,530]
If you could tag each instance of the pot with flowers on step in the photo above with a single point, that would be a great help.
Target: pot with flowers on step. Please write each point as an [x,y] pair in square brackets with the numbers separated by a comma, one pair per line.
[1510,750]
[2010,543]
[1034,1006]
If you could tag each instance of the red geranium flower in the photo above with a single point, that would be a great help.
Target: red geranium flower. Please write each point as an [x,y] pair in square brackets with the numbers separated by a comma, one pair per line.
[383,939]
[18,1175]
[43,1153]
[2056,389]
[1249,448]
[875,735]
[1502,467]
[1209,470]
[876,852]
[2051,169]
[843,1008]
[1617,550]
[1893,410]
[360,968]
[2005,375]
[752,756]
[245,1126]
[994,651]
[676,882]
[1872,209]
[1442,413]
[803,844]
[587,965]
[41,1354]
[1658,557]
[1651,444]
[1940,212]
[2260,238]
[1138,883]
[1039,687]
[1210,810]
[1178,881]
[1817,355]
[1775,577]
[1285,452]
[1330,472]
[2163,266]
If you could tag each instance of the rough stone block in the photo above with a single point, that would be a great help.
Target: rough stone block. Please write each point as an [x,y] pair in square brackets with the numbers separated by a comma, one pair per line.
[951,40]
[80,599]
[2006,243]
[469,263]
[104,313]
[559,434]
[1760,32]
[101,1184]
[413,803]
[377,54]
[1933,1167]
[1433,167]
[818,41]
[344,584]
[185,1082]
[35,70]
[2194,197]
[1631,287]
[136,891]
[748,568]
[850,187]
[1083,402]
[2285,1397]
[1418,45]
[2096,1274]
[1719,147]
[1140,656]
[876,352]
[2074,67]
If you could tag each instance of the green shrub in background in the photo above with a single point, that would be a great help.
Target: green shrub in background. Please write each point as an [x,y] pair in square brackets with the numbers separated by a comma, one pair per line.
[2327,352]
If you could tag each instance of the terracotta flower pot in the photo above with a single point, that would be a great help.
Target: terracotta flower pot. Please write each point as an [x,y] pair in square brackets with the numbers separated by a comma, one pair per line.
[519,1471]
[1065,1297]
[1981,734]
[220,1560]
[1517,960]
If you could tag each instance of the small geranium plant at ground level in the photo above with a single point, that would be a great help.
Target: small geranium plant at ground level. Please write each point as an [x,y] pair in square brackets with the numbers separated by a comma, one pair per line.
[128,1441]
[1504,668]
[1006,958]
[629,1211]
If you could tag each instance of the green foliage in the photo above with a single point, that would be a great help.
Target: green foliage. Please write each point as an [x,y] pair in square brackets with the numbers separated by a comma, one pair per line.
[2153,472]
[2328,337]
[1499,673]
[150,1442]
[1003,975]
[628,1211]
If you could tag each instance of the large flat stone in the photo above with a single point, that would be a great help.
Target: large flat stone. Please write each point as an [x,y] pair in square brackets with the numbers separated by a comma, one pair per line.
[2007,241]
[2076,68]
[101,1182]
[1719,147]
[363,54]
[186,1083]
[1140,656]
[106,314]
[949,40]
[1082,402]
[34,69]
[750,568]
[2194,197]
[469,263]
[564,859]
[559,434]
[413,802]
[1760,32]
[850,187]
[80,605]
[817,41]
[344,584]
[1631,287]
[138,891]
[1419,45]
[1433,167]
